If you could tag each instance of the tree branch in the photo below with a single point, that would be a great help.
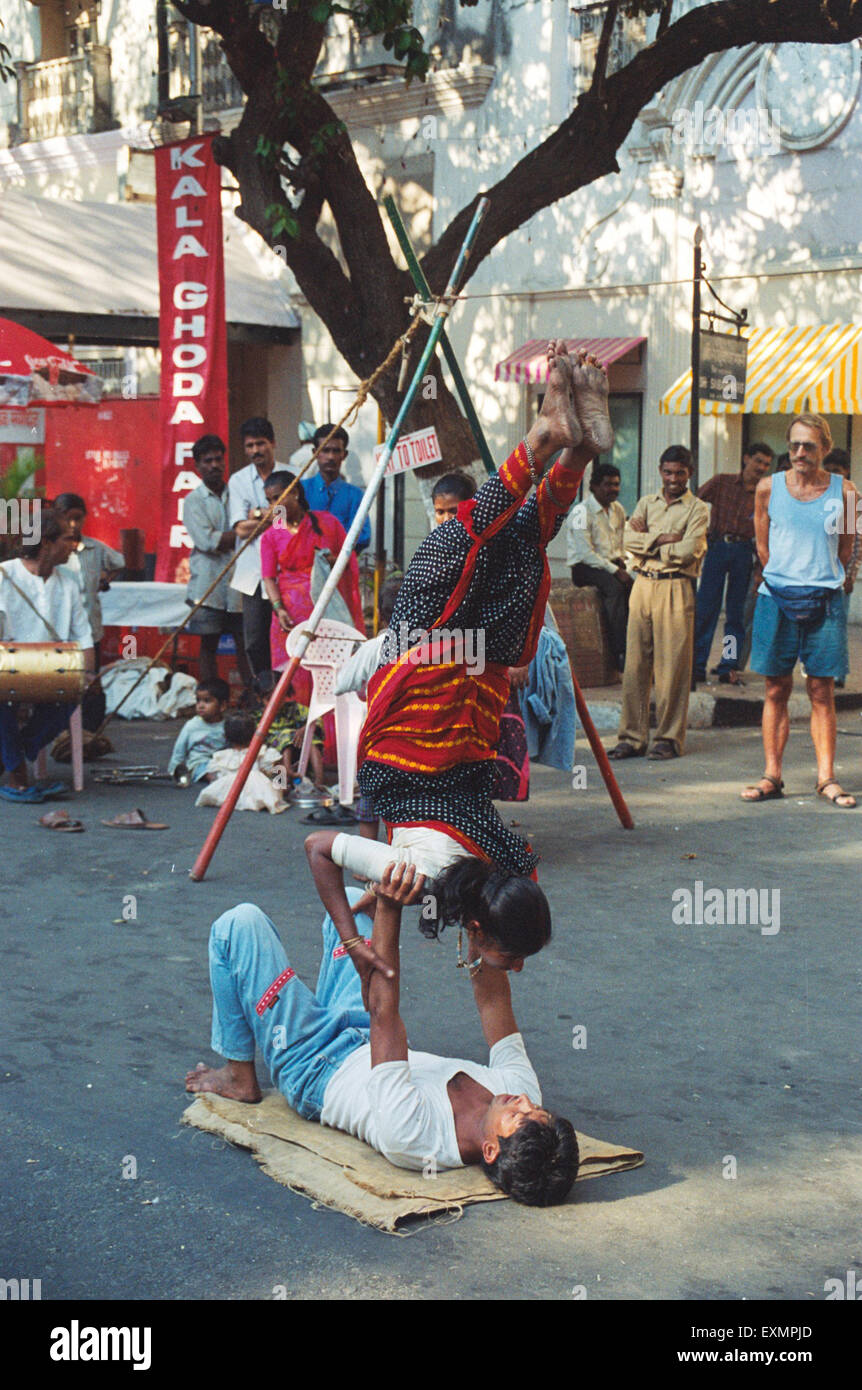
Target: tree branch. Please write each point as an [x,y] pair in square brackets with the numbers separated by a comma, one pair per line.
[583,148]
[664,17]
[597,86]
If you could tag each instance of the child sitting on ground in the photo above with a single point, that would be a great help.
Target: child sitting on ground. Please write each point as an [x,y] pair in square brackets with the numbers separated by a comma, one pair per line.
[286,733]
[260,792]
[203,735]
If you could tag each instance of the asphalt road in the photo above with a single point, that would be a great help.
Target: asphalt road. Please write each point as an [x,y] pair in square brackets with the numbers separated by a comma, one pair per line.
[727,1053]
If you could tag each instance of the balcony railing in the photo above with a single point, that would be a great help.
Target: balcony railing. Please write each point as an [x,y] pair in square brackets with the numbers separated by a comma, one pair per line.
[65,96]
[220,89]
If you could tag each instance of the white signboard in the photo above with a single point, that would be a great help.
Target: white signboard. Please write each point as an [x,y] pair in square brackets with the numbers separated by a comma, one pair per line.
[22,427]
[412,451]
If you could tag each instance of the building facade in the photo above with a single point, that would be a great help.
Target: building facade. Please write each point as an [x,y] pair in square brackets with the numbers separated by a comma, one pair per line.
[757,146]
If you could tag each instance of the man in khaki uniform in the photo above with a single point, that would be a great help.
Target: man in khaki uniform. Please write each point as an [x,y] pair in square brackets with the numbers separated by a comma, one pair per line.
[667,536]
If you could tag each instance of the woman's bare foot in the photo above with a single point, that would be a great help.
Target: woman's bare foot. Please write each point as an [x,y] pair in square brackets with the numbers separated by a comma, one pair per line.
[558,426]
[234,1081]
[590,388]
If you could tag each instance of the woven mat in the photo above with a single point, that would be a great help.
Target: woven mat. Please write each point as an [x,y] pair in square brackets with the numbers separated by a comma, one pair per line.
[336,1170]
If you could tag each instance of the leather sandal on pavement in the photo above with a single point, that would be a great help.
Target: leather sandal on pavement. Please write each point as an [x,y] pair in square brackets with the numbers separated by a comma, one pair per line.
[843,800]
[661,750]
[60,820]
[625,750]
[775,794]
[133,820]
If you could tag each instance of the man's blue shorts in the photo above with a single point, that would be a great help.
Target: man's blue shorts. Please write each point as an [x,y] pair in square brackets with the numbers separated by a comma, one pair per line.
[779,642]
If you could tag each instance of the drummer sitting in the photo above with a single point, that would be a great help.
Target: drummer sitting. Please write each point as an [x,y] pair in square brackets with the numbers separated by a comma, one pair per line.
[38,603]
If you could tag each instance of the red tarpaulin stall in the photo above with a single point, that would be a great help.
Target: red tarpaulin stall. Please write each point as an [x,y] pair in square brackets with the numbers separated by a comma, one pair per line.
[33,371]
[111,457]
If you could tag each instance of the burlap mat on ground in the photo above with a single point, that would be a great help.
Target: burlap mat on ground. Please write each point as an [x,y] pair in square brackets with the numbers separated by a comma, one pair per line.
[338,1171]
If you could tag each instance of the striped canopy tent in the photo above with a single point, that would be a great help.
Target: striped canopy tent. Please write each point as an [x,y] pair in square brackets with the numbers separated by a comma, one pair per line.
[530,362]
[789,370]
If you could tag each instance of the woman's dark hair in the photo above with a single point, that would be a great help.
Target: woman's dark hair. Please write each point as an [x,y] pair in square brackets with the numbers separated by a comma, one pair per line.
[512,911]
[538,1164]
[70,502]
[454,485]
[239,730]
[50,528]
[282,478]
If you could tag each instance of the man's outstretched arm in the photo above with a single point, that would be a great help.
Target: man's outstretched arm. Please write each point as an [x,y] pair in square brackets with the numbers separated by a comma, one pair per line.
[399,886]
[493,996]
[329,881]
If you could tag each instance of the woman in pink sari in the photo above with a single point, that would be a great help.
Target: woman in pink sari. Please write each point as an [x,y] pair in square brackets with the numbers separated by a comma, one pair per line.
[287,551]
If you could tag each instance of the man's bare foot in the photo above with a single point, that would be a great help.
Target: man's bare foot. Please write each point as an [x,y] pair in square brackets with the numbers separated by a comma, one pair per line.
[590,387]
[558,426]
[234,1081]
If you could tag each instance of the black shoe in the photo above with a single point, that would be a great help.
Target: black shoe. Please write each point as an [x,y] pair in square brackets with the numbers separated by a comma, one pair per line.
[698,678]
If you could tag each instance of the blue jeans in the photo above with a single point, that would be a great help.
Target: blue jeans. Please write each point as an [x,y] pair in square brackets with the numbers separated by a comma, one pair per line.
[18,745]
[304,1037]
[730,560]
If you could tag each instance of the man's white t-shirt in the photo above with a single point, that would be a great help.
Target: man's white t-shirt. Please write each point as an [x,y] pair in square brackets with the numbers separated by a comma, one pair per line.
[56,600]
[403,1110]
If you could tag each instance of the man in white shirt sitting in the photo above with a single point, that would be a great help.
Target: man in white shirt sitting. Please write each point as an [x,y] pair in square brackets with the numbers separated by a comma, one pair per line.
[352,1070]
[595,552]
[39,603]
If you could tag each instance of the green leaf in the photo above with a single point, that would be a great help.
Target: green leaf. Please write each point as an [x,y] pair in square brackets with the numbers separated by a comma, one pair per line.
[283,221]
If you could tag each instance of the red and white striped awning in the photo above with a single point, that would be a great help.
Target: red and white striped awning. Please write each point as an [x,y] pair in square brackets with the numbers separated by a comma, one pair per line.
[530,362]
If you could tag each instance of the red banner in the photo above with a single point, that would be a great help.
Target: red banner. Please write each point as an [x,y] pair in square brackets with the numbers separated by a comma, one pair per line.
[192,332]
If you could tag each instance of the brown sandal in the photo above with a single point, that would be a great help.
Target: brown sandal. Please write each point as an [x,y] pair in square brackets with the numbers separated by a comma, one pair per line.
[60,820]
[844,801]
[775,795]
[625,750]
[134,820]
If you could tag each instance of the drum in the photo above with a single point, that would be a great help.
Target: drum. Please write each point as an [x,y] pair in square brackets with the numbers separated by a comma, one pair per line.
[41,673]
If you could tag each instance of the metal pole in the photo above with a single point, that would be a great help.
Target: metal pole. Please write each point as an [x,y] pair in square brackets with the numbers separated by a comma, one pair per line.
[694,444]
[398,520]
[380,530]
[310,627]
[418,276]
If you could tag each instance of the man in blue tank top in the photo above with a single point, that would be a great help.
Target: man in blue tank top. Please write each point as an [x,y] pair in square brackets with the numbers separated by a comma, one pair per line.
[803,545]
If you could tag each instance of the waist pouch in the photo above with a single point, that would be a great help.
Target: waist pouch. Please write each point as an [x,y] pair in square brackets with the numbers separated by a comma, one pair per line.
[804,604]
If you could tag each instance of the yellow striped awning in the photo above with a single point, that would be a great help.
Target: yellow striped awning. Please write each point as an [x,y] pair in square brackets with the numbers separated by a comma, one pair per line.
[789,370]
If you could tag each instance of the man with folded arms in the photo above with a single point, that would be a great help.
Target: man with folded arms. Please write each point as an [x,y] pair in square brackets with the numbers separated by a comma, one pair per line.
[667,536]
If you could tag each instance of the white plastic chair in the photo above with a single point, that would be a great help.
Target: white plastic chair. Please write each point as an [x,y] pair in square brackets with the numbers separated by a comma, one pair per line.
[333,645]
[76,742]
